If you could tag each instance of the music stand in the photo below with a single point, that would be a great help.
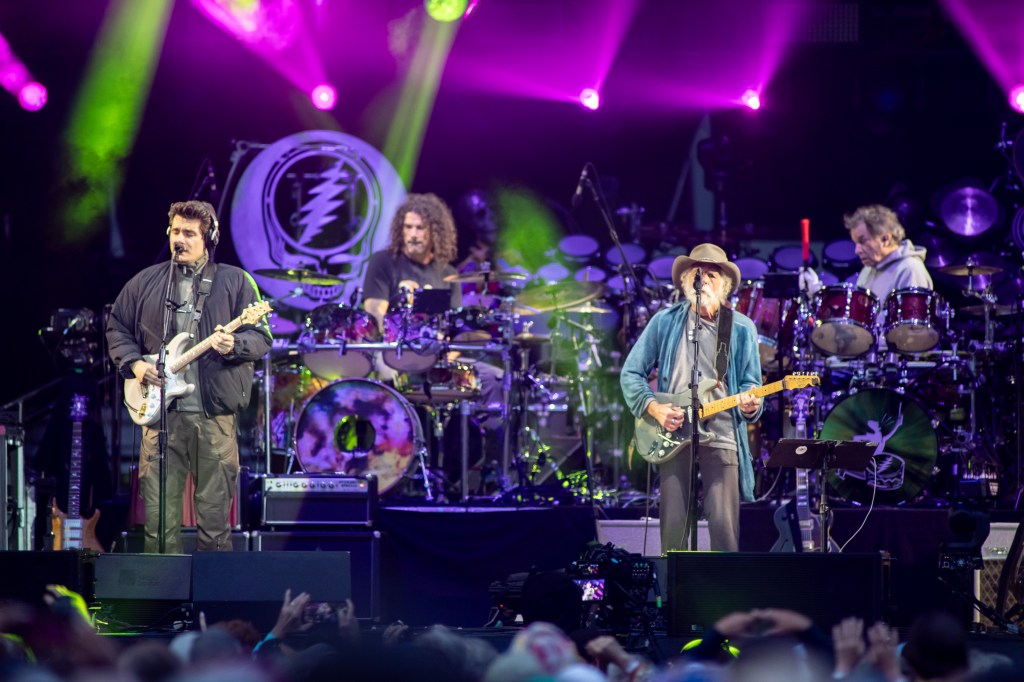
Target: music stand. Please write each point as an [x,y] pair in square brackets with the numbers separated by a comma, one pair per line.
[822,455]
[432,301]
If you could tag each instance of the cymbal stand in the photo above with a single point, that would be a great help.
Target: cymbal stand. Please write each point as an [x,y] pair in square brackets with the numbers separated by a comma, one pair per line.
[584,387]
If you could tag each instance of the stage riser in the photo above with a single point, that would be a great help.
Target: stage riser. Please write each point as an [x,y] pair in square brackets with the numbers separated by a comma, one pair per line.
[704,586]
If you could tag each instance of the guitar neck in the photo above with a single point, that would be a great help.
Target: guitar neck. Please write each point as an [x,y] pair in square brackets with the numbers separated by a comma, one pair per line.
[195,351]
[715,406]
[75,472]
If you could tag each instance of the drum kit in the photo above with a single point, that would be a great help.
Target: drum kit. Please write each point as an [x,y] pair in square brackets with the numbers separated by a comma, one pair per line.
[908,372]
[406,400]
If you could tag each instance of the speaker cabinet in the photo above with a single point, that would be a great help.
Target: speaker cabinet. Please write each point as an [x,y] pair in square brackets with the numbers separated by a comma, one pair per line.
[26,574]
[251,586]
[364,548]
[142,591]
[704,586]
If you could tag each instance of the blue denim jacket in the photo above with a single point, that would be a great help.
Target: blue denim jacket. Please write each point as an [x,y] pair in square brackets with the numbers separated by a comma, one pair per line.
[658,346]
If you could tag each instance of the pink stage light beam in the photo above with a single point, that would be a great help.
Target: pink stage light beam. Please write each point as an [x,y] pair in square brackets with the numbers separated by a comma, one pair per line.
[324,97]
[751,99]
[1017,98]
[590,99]
[16,79]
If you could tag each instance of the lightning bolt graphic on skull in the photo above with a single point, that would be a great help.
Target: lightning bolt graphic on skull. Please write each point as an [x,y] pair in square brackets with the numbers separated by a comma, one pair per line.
[319,210]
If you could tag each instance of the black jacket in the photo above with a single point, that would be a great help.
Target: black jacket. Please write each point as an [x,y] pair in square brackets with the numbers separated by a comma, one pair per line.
[136,323]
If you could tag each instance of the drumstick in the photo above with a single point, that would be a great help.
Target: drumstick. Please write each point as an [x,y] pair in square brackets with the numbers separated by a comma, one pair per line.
[805,236]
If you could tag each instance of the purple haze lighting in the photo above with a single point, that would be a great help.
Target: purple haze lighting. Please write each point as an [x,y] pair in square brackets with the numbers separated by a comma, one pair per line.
[324,97]
[1017,98]
[32,96]
[751,99]
[590,99]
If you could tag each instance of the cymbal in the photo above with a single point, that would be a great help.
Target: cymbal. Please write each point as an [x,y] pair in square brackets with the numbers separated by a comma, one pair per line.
[485,276]
[968,211]
[301,276]
[969,269]
[560,295]
[528,339]
[589,307]
[997,310]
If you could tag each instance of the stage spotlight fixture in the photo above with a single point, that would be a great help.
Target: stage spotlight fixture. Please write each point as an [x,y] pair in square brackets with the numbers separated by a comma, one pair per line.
[446,10]
[751,99]
[590,99]
[32,96]
[1017,98]
[324,97]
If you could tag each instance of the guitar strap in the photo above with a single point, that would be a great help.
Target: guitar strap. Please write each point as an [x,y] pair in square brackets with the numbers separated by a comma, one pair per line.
[723,343]
[205,286]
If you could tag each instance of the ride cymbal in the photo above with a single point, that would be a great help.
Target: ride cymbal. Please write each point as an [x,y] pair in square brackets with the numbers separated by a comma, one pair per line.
[589,307]
[997,310]
[560,295]
[301,276]
[969,269]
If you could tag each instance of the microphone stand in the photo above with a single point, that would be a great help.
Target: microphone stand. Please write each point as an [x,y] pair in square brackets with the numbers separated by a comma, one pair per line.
[691,514]
[161,361]
[632,288]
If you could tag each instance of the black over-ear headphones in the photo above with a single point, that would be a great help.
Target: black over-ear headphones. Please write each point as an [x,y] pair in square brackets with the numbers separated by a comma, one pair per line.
[213,236]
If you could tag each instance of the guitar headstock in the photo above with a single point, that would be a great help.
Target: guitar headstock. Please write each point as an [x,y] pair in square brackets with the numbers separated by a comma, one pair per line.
[78,411]
[253,313]
[800,380]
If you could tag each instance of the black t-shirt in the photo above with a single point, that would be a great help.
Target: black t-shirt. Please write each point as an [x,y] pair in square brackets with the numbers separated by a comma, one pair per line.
[384,272]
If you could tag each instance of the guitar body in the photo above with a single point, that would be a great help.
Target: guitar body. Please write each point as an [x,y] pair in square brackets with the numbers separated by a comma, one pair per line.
[74,533]
[143,400]
[656,444]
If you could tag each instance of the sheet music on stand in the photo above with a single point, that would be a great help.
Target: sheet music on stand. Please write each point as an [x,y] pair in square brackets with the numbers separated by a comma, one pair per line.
[822,456]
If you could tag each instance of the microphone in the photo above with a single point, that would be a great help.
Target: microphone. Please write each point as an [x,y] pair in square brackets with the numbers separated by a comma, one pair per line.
[696,280]
[577,197]
[179,249]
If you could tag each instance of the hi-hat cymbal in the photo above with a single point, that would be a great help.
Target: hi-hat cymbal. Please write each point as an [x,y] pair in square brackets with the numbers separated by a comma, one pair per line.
[485,276]
[589,307]
[997,310]
[301,276]
[560,295]
[969,269]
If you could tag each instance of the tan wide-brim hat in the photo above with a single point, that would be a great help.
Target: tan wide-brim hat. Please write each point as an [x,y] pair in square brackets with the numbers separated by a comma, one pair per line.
[704,254]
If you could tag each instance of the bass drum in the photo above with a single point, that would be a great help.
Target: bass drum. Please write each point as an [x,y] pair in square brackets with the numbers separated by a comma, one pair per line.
[907,446]
[358,426]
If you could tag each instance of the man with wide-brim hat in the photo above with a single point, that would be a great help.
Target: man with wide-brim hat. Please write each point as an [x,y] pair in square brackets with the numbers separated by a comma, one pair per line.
[727,345]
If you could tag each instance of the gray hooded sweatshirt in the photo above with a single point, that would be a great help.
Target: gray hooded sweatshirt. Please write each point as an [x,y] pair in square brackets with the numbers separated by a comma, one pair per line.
[901,269]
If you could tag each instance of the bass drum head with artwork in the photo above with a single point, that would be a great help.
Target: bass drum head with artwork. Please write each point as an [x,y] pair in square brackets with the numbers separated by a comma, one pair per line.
[356,427]
[905,457]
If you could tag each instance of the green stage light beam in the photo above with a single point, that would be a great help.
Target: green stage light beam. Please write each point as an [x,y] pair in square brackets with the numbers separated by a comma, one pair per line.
[107,112]
[531,233]
[405,137]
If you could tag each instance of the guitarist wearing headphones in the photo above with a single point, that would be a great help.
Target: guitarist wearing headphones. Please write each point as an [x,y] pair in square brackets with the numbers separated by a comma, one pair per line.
[728,341]
[207,301]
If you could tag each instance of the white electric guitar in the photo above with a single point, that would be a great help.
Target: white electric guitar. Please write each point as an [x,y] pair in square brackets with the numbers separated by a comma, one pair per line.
[143,400]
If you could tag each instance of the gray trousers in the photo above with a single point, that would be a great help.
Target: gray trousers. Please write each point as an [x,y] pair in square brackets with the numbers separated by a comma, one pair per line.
[719,472]
[208,447]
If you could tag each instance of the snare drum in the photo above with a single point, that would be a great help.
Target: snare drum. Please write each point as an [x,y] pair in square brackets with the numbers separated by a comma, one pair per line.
[775,319]
[340,324]
[358,426]
[844,321]
[914,320]
[446,382]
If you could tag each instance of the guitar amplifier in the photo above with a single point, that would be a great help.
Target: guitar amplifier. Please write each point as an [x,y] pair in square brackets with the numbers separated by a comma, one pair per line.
[319,500]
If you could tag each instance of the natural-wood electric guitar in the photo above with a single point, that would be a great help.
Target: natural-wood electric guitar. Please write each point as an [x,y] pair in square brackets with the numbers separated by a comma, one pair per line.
[657,444]
[143,400]
[71,531]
